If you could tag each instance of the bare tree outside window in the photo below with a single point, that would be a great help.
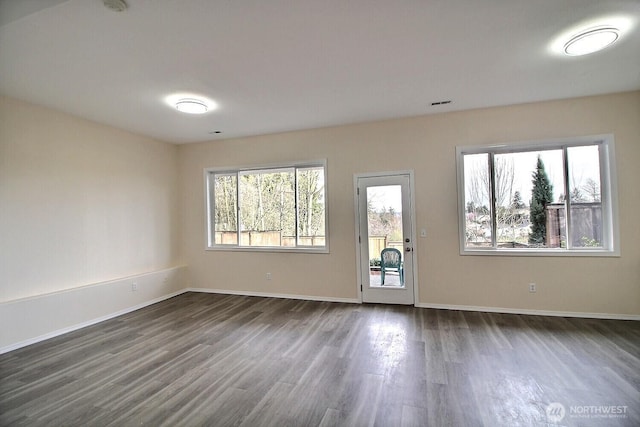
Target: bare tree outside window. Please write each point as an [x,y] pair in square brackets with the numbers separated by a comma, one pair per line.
[282,207]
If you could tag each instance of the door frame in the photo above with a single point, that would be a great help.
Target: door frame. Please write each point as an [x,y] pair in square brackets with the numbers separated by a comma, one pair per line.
[412,203]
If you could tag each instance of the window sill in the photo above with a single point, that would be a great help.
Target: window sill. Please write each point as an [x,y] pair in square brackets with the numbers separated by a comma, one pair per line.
[324,250]
[542,252]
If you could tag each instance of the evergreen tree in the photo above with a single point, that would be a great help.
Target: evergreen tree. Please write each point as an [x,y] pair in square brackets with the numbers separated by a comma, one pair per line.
[471,207]
[541,195]
[517,202]
[514,216]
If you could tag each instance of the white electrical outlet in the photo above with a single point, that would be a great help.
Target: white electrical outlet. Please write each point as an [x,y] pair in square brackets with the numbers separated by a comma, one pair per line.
[134,287]
[532,287]
[268,276]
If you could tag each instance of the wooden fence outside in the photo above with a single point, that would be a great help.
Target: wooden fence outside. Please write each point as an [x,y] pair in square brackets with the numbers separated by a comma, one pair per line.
[586,224]
[276,239]
[378,243]
[266,238]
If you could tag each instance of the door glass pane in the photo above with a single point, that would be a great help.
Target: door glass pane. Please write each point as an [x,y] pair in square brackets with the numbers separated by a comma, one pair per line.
[586,201]
[384,226]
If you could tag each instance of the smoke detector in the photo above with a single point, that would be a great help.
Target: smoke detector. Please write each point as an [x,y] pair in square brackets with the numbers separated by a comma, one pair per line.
[115,5]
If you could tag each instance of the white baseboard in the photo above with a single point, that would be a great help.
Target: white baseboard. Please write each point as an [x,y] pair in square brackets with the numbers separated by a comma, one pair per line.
[428,305]
[271,295]
[531,312]
[41,317]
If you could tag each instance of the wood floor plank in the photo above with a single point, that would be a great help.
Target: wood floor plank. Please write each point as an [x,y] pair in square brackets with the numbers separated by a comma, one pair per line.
[331,418]
[413,417]
[224,360]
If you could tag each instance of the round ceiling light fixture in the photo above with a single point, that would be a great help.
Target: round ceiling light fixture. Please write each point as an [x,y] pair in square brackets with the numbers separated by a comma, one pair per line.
[591,40]
[191,106]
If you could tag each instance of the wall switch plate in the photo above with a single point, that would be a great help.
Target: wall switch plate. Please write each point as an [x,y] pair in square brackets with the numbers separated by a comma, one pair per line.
[134,287]
[532,287]
[423,232]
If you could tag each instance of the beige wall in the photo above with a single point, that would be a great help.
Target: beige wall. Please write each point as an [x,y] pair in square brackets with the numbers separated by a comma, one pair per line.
[80,202]
[427,145]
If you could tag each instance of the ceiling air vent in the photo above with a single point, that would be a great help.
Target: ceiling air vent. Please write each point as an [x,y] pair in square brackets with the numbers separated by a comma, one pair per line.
[115,5]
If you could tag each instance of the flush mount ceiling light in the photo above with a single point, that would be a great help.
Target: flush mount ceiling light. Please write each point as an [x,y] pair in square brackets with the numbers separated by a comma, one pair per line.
[591,40]
[191,106]
[592,34]
[190,102]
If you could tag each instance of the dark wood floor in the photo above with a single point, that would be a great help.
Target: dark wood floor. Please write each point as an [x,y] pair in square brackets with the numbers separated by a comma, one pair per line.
[204,359]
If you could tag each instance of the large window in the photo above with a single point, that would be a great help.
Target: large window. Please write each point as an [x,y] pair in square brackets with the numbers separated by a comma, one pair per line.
[282,208]
[538,198]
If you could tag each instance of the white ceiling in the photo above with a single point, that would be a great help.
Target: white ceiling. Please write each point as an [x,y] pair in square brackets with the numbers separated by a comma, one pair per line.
[282,65]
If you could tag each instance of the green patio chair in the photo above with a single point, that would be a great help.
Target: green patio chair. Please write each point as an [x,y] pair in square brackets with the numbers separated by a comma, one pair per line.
[391,259]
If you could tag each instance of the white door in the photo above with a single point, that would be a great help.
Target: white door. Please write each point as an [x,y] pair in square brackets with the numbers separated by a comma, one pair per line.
[385,238]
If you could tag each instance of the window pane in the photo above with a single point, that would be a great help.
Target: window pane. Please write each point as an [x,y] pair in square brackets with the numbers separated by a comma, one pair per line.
[528,212]
[477,201]
[586,202]
[311,212]
[226,210]
[544,195]
[267,208]
[257,208]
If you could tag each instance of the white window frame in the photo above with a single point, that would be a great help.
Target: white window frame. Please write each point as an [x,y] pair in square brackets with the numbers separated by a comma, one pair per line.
[609,196]
[210,197]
